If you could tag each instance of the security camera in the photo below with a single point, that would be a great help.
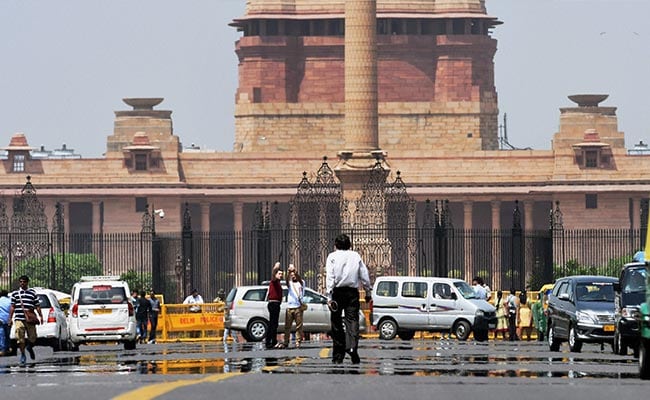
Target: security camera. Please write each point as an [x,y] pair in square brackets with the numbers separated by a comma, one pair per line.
[160,212]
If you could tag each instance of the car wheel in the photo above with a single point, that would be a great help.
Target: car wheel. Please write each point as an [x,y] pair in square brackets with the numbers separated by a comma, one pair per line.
[72,346]
[387,329]
[575,345]
[481,335]
[406,335]
[619,345]
[553,342]
[257,330]
[636,350]
[644,366]
[130,345]
[462,330]
[56,344]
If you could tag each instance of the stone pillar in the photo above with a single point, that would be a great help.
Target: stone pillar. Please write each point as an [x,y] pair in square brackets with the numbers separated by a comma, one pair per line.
[238,224]
[205,217]
[636,213]
[361,107]
[529,206]
[97,228]
[468,212]
[66,216]
[496,245]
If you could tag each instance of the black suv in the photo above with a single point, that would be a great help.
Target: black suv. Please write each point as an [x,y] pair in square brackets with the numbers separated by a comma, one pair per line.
[630,293]
[581,310]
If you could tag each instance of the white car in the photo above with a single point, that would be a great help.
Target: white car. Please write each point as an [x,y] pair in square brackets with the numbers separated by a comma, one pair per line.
[53,331]
[101,312]
[246,311]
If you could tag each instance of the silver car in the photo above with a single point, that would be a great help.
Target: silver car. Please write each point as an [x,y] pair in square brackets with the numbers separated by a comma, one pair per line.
[246,311]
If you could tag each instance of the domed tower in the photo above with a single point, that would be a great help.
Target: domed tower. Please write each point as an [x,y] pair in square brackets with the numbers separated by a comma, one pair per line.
[435,76]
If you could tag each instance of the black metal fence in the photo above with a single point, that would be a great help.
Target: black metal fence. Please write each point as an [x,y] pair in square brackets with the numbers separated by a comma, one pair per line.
[214,262]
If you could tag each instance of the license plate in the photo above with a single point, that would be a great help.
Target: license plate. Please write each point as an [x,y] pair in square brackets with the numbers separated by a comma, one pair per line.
[608,328]
[102,311]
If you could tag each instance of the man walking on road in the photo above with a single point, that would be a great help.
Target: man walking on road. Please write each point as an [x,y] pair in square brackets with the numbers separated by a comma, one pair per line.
[346,272]
[24,301]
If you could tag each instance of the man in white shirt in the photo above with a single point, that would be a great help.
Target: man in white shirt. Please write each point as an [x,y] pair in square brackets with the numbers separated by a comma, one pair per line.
[346,273]
[194,298]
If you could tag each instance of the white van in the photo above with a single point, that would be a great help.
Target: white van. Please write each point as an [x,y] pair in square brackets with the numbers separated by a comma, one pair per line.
[402,305]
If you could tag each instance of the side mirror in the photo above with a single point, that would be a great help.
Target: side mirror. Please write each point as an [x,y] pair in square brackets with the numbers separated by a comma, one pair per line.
[563,296]
[454,296]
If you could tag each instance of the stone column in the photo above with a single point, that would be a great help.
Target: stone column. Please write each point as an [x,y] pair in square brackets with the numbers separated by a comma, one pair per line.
[361,107]
[97,228]
[238,224]
[529,206]
[636,214]
[496,245]
[205,217]
[468,212]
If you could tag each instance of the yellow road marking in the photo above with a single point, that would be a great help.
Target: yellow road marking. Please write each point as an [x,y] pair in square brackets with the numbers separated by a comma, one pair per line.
[152,391]
[324,353]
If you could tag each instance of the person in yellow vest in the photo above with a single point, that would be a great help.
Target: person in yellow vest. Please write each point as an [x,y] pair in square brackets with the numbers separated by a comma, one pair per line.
[524,317]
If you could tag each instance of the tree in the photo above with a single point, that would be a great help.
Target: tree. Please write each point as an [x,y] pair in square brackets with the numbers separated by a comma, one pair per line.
[53,273]
[137,281]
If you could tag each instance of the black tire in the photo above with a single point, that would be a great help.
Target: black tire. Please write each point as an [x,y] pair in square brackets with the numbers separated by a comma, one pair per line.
[575,345]
[14,348]
[644,363]
[387,329]
[406,335]
[462,329]
[481,335]
[636,350]
[56,344]
[130,345]
[72,346]
[619,346]
[257,330]
[553,342]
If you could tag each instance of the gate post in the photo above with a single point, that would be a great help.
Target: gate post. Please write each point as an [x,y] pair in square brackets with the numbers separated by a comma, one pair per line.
[186,248]
[557,233]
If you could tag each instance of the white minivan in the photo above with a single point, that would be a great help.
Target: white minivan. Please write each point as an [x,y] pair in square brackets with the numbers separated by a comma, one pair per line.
[402,305]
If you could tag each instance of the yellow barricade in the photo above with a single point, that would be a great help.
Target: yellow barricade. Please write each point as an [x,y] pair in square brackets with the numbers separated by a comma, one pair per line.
[176,322]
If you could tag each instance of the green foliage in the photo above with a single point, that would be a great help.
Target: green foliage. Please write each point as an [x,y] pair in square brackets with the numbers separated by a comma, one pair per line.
[572,267]
[76,265]
[138,281]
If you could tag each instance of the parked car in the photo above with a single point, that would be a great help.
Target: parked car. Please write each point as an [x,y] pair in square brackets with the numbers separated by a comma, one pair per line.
[246,312]
[101,312]
[644,338]
[629,294]
[581,310]
[53,331]
[402,305]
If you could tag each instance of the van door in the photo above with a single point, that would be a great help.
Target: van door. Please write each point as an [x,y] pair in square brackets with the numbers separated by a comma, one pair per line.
[412,312]
[443,311]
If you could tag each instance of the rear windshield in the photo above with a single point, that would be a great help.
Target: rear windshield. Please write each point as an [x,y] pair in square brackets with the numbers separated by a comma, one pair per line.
[44,301]
[102,294]
[231,295]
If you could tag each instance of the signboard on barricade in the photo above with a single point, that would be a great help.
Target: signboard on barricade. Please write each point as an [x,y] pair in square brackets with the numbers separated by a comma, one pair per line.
[177,319]
[194,322]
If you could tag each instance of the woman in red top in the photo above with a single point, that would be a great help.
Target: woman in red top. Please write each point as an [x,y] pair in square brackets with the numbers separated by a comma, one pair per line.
[275,299]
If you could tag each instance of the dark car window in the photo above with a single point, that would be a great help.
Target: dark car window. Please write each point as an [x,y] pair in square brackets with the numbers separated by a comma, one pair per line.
[102,294]
[255,295]
[44,301]
[563,288]
[387,289]
[634,281]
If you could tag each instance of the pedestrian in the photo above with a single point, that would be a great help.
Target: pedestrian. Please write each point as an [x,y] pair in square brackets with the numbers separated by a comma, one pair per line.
[512,304]
[142,316]
[539,318]
[345,275]
[24,303]
[5,307]
[524,317]
[294,311]
[274,299]
[479,290]
[154,301]
[501,314]
[488,291]
[194,300]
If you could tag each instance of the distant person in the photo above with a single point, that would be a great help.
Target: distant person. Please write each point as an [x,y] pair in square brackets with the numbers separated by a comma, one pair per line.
[524,317]
[539,317]
[142,316]
[274,299]
[294,311]
[512,303]
[154,301]
[194,299]
[488,291]
[346,274]
[24,301]
[479,290]
[5,308]
[502,316]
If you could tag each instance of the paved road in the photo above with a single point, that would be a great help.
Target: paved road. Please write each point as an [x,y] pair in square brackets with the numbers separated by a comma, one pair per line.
[395,369]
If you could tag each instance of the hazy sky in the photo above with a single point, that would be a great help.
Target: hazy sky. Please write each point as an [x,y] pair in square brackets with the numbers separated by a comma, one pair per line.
[67,64]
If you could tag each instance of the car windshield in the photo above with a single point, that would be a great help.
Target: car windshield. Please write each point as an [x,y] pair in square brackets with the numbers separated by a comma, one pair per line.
[465,290]
[595,291]
[102,294]
[634,282]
